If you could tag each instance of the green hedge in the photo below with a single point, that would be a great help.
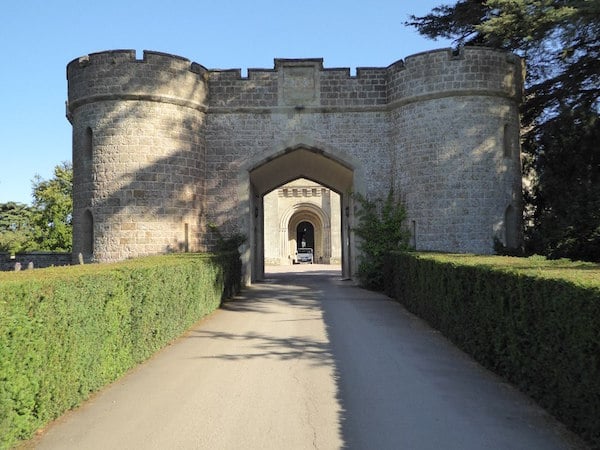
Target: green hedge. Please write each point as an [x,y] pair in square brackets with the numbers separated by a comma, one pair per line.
[535,322]
[66,332]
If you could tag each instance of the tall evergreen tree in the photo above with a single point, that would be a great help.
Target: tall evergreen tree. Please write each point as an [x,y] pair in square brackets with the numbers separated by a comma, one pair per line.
[560,40]
[567,192]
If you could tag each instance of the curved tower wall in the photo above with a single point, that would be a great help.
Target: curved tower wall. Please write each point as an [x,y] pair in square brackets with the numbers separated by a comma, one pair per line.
[454,127]
[138,154]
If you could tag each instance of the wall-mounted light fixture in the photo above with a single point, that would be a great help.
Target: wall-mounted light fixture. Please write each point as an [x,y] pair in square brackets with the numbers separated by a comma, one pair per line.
[255,212]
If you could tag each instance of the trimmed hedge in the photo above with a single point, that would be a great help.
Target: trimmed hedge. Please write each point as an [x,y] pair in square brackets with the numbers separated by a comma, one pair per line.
[67,332]
[532,321]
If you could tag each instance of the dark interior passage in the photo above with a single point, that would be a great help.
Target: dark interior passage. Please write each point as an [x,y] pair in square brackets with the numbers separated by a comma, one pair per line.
[305,235]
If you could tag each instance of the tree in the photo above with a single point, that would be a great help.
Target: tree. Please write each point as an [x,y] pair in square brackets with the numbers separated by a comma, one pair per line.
[560,40]
[380,231]
[567,192]
[53,204]
[46,225]
[16,227]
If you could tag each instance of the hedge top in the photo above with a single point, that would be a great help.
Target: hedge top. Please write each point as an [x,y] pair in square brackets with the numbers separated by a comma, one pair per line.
[63,272]
[576,272]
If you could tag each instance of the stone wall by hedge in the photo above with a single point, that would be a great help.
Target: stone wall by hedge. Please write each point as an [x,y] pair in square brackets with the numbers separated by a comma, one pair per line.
[38,259]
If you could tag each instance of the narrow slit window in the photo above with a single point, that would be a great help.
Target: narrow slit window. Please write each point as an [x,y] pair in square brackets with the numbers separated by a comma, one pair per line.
[88,146]
[88,234]
[510,227]
[506,142]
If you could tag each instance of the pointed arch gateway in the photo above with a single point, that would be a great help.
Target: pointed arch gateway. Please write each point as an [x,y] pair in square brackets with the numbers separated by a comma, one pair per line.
[300,161]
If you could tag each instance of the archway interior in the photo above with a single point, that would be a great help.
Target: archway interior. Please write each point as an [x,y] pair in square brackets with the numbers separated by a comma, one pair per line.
[301,163]
[302,213]
[293,164]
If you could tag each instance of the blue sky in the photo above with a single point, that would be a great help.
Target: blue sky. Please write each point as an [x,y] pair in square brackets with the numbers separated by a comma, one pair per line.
[39,37]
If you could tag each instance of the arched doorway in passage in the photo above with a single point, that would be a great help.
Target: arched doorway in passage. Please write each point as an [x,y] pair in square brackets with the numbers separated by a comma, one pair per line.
[291,164]
[305,235]
[286,207]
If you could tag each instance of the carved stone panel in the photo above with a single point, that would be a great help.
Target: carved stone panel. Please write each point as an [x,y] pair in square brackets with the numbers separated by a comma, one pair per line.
[299,83]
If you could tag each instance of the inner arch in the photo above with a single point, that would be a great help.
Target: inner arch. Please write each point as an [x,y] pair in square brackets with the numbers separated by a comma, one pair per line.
[301,163]
[290,205]
[291,164]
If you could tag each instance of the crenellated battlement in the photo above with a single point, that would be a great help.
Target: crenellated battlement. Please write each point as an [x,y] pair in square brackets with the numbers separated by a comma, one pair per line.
[156,59]
[471,71]
[307,83]
[120,75]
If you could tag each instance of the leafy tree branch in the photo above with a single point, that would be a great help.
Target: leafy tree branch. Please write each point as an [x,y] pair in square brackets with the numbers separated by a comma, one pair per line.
[380,230]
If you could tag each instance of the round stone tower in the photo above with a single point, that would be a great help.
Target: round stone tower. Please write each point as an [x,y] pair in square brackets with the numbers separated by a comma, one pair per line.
[454,125]
[138,153]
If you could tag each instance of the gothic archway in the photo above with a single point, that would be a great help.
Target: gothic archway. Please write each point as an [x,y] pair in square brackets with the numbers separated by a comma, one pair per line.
[290,164]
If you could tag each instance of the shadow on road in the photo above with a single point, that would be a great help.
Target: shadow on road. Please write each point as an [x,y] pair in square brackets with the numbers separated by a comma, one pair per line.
[279,292]
[269,347]
[400,384]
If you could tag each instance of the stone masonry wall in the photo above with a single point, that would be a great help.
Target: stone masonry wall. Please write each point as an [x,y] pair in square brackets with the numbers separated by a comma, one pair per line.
[448,119]
[456,179]
[163,144]
[234,138]
[38,259]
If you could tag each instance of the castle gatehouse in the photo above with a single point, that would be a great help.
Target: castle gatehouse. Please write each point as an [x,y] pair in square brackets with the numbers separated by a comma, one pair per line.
[163,148]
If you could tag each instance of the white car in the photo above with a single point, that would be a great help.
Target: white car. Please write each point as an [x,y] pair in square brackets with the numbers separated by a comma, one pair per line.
[304,255]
